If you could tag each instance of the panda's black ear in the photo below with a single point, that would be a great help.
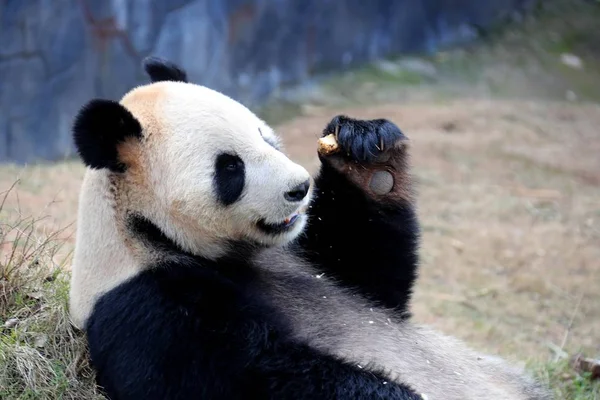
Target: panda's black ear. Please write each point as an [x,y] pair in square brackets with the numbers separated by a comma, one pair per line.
[99,128]
[159,69]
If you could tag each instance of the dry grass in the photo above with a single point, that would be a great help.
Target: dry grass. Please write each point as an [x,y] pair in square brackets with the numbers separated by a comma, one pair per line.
[41,355]
[48,193]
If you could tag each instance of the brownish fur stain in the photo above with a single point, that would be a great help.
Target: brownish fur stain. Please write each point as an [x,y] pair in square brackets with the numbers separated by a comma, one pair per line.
[119,201]
[177,214]
[142,103]
[175,210]
[131,188]
[189,225]
[130,154]
[129,191]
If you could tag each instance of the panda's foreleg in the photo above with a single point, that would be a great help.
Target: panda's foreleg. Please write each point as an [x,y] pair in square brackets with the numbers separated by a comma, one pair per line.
[362,227]
[294,371]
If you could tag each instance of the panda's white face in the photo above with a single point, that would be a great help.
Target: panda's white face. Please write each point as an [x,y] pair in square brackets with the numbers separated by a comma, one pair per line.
[213,169]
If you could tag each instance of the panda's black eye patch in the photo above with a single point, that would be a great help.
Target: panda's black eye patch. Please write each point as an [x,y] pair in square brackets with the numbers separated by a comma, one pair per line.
[230,177]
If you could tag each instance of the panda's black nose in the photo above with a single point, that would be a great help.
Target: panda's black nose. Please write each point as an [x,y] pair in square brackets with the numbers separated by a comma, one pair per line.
[298,193]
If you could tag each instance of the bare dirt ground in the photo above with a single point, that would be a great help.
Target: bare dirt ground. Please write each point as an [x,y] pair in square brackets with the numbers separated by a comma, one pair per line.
[509,195]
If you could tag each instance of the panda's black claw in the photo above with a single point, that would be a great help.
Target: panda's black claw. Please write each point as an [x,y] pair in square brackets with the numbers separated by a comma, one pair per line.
[364,140]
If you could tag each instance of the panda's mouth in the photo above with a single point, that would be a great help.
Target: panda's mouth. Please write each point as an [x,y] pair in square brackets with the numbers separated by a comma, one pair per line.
[274,229]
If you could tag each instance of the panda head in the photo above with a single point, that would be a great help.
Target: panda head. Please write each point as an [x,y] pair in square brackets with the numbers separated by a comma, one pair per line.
[200,166]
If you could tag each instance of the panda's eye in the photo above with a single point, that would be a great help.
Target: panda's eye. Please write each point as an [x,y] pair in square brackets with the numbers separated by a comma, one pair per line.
[229,163]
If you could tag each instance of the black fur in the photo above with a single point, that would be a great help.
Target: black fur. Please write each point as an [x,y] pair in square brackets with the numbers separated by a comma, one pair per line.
[159,70]
[99,127]
[369,246]
[147,232]
[229,178]
[199,329]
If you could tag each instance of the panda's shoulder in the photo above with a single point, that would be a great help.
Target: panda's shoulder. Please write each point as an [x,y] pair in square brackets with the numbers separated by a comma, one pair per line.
[167,285]
[179,293]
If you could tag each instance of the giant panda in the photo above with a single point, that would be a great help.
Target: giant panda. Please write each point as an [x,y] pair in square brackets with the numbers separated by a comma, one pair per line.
[209,265]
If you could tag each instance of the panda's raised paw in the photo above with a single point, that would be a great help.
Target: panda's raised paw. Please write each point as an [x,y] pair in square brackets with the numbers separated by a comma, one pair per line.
[371,153]
[363,141]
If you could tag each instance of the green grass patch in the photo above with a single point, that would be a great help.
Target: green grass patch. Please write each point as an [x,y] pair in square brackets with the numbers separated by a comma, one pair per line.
[566,382]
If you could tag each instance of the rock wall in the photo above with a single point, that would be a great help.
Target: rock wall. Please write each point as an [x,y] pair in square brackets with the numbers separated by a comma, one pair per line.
[55,55]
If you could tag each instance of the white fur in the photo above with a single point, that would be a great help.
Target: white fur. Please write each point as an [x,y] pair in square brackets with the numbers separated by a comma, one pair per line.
[101,260]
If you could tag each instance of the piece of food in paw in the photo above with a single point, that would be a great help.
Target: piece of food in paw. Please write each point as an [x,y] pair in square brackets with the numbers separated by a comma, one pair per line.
[328,145]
